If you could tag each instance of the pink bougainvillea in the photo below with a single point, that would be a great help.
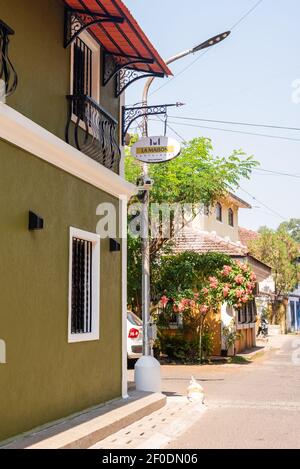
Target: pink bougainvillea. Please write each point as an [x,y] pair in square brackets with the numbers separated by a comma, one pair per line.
[226,270]
[164,301]
[213,282]
[233,284]
[239,279]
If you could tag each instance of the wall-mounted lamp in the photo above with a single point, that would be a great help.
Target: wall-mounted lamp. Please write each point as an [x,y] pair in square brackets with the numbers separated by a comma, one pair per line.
[35,222]
[114,246]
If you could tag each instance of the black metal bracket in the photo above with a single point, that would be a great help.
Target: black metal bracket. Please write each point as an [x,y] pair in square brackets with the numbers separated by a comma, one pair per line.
[130,114]
[114,63]
[127,76]
[77,21]
[8,75]
[114,245]
[35,222]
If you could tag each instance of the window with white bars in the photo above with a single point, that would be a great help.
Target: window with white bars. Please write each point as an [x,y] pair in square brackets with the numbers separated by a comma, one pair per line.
[84,286]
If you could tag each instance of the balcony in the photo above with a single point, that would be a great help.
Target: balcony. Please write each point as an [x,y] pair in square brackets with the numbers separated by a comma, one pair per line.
[8,75]
[93,131]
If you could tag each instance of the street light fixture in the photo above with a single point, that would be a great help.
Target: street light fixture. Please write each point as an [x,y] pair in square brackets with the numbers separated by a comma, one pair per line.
[210,42]
[204,45]
[143,367]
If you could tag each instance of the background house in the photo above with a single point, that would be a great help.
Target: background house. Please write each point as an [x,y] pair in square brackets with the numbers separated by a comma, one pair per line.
[63,286]
[216,229]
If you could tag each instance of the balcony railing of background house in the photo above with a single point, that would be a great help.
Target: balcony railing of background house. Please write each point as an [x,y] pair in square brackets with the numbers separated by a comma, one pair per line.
[8,75]
[93,131]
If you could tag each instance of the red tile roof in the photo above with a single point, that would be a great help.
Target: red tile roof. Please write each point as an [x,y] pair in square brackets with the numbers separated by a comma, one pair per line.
[246,236]
[202,242]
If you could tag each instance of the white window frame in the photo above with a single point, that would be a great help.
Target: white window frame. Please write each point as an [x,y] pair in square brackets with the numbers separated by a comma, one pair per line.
[96,68]
[95,240]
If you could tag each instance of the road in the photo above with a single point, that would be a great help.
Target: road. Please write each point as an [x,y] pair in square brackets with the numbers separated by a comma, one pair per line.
[254,405]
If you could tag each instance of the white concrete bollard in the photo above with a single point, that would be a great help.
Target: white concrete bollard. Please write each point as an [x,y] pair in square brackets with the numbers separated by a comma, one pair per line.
[147,374]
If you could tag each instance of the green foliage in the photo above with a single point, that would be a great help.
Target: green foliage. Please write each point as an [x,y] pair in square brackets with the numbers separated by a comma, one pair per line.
[195,176]
[207,344]
[230,335]
[190,281]
[179,348]
[293,228]
[278,250]
[187,270]
[134,273]
[193,292]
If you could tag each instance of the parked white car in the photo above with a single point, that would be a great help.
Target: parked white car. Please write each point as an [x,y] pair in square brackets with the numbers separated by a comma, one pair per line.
[134,336]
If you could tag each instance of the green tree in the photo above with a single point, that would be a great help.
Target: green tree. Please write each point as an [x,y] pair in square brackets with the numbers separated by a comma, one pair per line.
[293,228]
[195,284]
[188,270]
[280,252]
[195,177]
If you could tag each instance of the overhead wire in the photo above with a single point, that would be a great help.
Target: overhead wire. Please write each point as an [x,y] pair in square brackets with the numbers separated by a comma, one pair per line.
[269,126]
[263,204]
[280,137]
[187,67]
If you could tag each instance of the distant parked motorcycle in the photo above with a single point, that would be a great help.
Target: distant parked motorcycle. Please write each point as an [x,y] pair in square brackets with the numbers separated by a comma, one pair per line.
[263,328]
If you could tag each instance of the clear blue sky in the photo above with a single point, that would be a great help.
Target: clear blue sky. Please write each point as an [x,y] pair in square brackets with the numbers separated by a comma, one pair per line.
[247,78]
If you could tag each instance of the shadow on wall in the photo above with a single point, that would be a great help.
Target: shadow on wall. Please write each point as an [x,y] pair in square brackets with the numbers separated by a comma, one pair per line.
[2,352]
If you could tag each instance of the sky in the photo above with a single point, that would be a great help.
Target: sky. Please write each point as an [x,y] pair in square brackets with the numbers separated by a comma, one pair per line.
[247,78]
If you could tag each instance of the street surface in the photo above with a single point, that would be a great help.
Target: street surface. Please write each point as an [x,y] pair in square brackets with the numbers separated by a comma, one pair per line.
[253,405]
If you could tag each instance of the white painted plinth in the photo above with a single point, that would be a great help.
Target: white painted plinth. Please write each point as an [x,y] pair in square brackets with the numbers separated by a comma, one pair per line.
[147,375]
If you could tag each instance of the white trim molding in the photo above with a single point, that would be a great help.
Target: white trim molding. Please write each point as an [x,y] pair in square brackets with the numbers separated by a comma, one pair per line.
[31,137]
[94,285]
[123,237]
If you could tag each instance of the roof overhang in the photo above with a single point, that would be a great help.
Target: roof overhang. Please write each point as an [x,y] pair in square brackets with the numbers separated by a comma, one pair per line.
[261,270]
[237,200]
[111,24]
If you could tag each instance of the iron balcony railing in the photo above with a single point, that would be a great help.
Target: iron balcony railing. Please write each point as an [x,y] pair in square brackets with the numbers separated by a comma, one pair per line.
[93,131]
[8,75]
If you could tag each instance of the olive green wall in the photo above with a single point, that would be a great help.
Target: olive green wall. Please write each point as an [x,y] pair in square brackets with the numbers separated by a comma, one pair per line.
[46,378]
[42,64]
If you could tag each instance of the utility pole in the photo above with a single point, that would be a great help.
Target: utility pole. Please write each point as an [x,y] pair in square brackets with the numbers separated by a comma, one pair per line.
[145,210]
[143,381]
[145,266]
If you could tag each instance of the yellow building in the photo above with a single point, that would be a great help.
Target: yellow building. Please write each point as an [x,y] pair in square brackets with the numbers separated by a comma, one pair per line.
[216,229]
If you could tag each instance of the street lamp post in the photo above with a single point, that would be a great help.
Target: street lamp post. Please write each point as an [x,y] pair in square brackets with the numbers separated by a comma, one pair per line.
[143,365]
[204,45]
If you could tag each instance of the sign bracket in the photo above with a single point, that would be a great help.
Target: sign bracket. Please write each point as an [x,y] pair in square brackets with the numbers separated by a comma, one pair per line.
[131,114]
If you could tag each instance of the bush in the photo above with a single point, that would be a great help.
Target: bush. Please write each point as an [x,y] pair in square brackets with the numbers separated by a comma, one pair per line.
[179,348]
[207,344]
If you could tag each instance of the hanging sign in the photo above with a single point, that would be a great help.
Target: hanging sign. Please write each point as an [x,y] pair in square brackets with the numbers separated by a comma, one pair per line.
[156,149]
